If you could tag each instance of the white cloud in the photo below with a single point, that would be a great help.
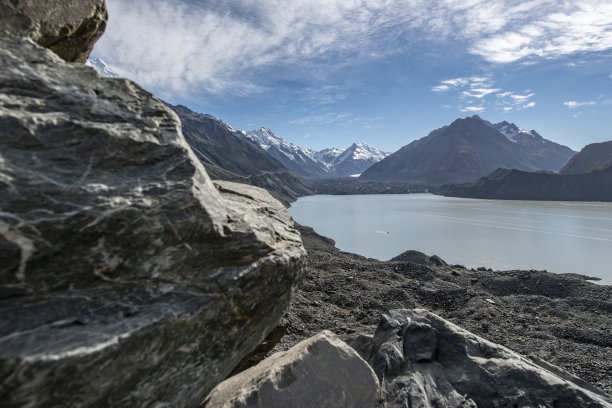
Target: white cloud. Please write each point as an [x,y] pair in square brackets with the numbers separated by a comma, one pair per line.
[473,109]
[477,89]
[242,46]
[323,119]
[563,29]
[575,104]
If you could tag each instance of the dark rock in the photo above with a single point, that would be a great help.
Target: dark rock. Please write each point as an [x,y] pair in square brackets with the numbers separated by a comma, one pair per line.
[126,278]
[424,360]
[68,27]
[319,372]
[419,258]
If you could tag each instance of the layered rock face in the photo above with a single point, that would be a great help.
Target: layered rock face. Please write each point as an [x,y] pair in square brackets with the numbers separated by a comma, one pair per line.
[68,27]
[126,278]
[423,360]
[322,372]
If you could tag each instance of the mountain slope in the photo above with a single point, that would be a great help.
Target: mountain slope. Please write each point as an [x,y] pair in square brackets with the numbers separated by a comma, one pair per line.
[466,150]
[227,155]
[297,159]
[591,157]
[309,163]
[549,155]
[356,159]
[507,184]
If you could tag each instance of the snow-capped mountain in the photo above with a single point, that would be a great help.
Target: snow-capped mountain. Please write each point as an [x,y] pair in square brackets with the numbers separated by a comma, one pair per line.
[300,160]
[517,135]
[357,158]
[330,162]
[102,67]
[329,155]
[466,150]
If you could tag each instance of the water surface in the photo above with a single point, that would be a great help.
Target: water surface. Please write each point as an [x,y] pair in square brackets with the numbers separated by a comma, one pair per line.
[561,237]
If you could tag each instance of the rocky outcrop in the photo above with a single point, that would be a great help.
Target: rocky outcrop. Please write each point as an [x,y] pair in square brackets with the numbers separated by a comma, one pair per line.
[68,27]
[126,278]
[320,372]
[418,257]
[423,360]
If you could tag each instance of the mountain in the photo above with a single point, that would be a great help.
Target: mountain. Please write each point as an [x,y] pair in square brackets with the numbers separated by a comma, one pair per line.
[466,150]
[504,184]
[331,162]
[591,157]
[99,65]
[301,161]
[227,155]
[354,160]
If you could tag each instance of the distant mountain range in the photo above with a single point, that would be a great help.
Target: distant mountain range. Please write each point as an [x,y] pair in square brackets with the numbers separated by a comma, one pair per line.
[325,163]
[587,177]
[466,150]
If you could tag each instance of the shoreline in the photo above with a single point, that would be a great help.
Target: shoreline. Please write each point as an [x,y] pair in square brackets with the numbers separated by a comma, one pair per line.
[562,319]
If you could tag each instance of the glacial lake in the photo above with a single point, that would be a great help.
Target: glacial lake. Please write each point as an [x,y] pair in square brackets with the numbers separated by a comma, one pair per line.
[560,237]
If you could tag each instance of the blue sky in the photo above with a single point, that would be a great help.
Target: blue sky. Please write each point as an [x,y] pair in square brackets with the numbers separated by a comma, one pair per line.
[323,73]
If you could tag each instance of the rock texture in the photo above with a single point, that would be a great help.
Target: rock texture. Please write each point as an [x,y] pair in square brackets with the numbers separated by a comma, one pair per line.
[126,278]
[320,372]
[68,27]
[423,360]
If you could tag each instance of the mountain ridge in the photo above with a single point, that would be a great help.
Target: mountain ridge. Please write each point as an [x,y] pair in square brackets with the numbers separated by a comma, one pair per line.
[466,150]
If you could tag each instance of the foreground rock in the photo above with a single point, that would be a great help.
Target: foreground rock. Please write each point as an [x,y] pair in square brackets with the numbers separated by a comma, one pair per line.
[319,372]
[68,27]
[423,360]
[126,279]
[562,319]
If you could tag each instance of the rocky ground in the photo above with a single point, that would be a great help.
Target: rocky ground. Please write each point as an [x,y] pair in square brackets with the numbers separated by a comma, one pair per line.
[561,319]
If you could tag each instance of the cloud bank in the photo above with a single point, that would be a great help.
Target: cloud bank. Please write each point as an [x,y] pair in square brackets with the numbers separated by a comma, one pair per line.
[241,46]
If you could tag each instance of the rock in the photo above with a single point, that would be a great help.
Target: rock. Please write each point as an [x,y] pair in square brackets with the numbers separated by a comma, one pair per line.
[68,27]
[321,372]
[423,360]
[126,278]
[419,258]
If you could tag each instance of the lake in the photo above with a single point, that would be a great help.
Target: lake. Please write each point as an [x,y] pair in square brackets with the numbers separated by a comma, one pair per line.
[560,237]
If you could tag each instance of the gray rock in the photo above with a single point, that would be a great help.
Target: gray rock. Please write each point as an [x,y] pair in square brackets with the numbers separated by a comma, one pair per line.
[68,27]
[126,278]
[321,372]
[419,258]
[423,360]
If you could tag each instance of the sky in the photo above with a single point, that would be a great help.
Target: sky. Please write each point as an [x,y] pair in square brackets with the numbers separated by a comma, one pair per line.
[327,73]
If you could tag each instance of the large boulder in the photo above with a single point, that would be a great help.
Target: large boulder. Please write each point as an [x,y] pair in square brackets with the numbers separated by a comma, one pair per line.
[321,371]
[68,27]
[423,360]
[126,278]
